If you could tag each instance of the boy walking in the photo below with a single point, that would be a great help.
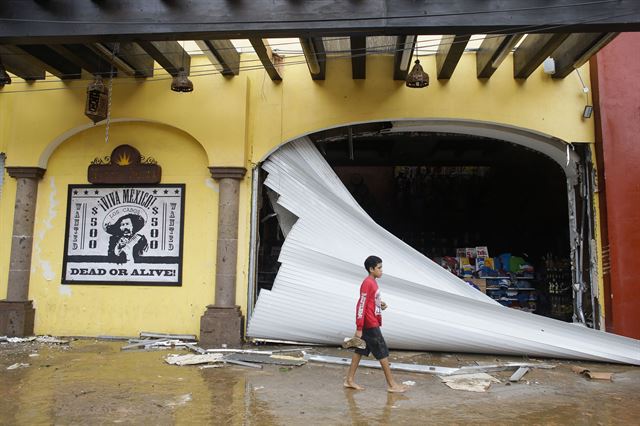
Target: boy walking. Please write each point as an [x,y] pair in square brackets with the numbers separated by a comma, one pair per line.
[368,323]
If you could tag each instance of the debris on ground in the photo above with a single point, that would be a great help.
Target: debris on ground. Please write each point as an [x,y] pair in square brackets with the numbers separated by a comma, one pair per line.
[179,400]
[520,372]
[430,369]
[353,342]
[148,341]
[267,359]
[193,359]
[409,383]
[477,382]
[596,375]
[39,339]
[18,365]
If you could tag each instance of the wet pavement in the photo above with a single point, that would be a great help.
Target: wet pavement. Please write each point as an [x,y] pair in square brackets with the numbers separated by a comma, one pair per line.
[93,382]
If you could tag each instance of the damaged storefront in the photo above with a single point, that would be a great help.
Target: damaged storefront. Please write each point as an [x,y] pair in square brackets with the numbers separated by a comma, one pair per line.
[247,214]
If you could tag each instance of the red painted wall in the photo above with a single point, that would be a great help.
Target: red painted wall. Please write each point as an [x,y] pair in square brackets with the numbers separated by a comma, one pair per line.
[617,84]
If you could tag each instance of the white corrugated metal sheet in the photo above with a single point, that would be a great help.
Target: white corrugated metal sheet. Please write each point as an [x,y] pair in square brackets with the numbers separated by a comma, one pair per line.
[314,295]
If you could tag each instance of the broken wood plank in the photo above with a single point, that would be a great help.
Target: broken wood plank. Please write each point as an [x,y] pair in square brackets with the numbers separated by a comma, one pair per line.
[520,372]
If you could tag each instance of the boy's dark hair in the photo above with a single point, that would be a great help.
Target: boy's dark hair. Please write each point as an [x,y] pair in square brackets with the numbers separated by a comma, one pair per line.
[372,262]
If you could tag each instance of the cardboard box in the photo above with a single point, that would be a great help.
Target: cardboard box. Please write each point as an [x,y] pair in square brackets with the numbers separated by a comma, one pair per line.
[480,282]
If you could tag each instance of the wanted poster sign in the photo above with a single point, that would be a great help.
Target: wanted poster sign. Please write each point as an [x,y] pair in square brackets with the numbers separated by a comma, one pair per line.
[126,235]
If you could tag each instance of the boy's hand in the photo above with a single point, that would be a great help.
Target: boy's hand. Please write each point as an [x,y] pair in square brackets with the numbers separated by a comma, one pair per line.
[359,334]
[383,306]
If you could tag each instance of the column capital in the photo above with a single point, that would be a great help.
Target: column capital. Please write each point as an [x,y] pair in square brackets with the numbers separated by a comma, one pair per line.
[26,172]
[227,172]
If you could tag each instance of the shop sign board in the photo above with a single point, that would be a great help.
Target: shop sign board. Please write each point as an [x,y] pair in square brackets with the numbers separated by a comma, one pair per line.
[124,235]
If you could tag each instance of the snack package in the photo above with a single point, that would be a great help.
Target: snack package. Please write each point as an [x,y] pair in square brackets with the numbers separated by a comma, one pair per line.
[482,251]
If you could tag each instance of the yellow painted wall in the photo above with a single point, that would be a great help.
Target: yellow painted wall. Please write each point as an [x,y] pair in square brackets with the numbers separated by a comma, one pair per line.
[224,122]
[124,310]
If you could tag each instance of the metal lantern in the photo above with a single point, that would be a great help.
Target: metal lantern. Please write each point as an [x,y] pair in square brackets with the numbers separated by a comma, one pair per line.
[181,82]
[97,101]
[4,77]
[417,78]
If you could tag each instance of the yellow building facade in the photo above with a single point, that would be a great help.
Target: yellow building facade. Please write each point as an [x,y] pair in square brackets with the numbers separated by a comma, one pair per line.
[225,122]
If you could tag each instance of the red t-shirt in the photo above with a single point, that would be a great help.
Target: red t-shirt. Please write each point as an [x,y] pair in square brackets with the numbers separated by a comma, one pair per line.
[368,310]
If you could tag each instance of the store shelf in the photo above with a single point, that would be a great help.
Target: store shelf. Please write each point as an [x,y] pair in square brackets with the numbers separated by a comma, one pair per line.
[506,278]
[511,288]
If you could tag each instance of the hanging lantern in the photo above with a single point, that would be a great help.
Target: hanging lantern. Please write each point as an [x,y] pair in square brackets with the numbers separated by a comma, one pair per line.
[97,101]
[4,77]
[417,78]
[181,82]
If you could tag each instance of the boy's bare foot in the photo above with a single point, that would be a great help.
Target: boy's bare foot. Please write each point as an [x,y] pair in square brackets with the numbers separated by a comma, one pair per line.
[396,388]
[351,385]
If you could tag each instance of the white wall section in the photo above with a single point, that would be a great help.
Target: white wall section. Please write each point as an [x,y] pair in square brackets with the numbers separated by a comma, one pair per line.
[316,289]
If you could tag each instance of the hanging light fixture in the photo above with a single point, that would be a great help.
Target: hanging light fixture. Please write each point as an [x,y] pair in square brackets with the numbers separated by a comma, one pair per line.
[181,82]
[4,77]
[97,101]
[417,78]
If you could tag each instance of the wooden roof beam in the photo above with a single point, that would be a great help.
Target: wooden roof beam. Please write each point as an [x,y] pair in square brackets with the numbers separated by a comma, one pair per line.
[359,57]
[450,51]
[52,61]
[313,49]
[169,54]
[85,58]
[493,50]
[132,55]
[265,55]
[222,54]
[19,63]
[403,55]
[92,21]
[533,51]
[577,49]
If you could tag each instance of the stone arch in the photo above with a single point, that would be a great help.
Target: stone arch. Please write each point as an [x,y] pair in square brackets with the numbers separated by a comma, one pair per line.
[46,153]
[554,148]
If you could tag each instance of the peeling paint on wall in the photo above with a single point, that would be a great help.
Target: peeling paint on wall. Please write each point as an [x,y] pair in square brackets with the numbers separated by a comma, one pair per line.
[44,227]
[210,183]
[64,290]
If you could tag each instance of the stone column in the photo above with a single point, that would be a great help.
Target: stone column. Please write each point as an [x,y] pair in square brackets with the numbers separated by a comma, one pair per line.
[16,312]
[222,322]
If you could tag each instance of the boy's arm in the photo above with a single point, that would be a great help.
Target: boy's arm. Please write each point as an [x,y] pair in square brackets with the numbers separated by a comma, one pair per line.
[362,302]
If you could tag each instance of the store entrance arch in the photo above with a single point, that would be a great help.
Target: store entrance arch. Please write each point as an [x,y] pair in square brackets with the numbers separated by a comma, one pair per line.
[446,185]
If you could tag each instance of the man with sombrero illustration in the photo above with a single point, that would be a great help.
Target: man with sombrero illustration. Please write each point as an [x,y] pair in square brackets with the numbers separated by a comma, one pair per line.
[125,244]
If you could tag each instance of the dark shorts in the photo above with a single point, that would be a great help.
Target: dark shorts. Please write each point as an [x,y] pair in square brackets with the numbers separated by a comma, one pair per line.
[375,343]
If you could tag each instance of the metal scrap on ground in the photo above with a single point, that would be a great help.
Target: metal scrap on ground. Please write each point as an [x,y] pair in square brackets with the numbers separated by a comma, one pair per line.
[430,369]
[39,339]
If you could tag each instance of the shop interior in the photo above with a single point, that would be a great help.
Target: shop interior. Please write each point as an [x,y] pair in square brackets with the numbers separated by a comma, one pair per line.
[459,200]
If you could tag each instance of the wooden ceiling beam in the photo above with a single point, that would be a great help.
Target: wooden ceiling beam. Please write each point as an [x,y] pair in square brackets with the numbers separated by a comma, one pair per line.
[169,54]
[533,51]
[134,56]
[577,49]
[266,57]
[359,57]
[313,49]
[52,62]
[91,21]
[222,54]
[85,58]
[493,50]
[19,63]
[450,51]
[403,55]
